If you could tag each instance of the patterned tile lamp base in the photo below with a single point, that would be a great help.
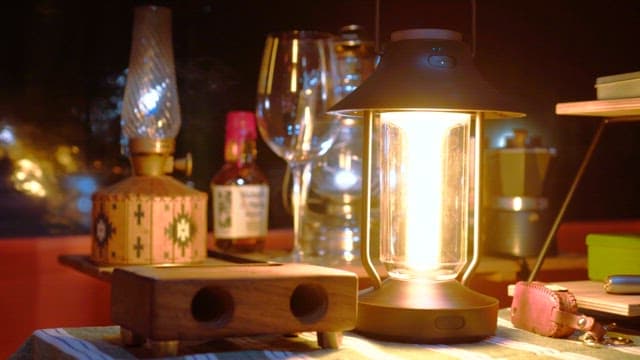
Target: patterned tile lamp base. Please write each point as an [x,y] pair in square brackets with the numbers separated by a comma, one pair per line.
[149,220]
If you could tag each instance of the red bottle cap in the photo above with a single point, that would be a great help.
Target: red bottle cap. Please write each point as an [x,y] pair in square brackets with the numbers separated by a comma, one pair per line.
[241,125]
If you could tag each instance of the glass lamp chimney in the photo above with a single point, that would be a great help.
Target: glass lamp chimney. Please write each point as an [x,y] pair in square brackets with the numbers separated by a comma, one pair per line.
[151,109]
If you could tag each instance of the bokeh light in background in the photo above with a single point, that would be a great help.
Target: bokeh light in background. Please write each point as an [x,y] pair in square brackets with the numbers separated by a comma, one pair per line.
[50,175]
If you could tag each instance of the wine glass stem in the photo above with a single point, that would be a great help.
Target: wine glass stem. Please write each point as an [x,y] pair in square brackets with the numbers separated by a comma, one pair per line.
[300,176]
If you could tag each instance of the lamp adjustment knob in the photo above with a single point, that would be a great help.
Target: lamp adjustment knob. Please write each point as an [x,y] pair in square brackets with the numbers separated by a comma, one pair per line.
[184,164]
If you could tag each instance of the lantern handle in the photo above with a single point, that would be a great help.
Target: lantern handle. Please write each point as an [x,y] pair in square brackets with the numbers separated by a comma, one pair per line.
[477,199]
[473,27]
[365,209]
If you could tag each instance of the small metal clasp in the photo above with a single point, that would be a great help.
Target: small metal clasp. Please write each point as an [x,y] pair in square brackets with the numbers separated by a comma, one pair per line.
[617,340]
[589,339]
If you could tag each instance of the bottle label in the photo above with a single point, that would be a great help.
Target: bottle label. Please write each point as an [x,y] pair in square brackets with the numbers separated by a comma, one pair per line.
[240,211]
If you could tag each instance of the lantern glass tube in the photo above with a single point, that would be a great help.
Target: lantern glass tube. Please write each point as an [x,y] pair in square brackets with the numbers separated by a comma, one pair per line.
[424,193]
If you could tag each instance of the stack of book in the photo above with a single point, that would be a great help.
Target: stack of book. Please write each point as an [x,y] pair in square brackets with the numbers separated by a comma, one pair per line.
[618,86]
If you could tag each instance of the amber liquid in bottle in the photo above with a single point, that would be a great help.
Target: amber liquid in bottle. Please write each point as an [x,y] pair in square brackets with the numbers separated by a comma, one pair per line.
[240,191]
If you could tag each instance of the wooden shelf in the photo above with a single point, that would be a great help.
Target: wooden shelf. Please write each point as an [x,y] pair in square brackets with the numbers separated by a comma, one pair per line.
[619,108]
[591,295]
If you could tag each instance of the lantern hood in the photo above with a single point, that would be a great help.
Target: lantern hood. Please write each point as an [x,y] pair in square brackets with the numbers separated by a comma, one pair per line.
[427,69]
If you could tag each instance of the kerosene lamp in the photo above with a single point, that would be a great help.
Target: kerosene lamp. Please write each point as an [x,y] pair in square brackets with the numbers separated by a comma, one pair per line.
[425,103]
[150,217]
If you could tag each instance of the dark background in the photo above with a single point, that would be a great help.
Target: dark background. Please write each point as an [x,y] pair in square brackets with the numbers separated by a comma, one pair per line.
[62,68]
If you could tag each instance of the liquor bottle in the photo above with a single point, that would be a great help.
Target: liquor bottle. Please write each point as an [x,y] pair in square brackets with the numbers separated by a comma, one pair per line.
[240,191]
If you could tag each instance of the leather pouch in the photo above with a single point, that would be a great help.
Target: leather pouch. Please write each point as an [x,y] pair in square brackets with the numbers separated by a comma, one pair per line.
[548,311]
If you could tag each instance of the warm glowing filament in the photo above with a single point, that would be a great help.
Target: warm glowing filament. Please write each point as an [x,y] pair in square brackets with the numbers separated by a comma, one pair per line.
[421,184]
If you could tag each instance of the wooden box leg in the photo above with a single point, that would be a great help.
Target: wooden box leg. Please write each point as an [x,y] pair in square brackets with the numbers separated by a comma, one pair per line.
[329,339]
[164,348]
[129,338]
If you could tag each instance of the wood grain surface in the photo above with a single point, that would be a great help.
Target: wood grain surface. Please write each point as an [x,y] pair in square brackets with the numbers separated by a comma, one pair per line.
[205,302]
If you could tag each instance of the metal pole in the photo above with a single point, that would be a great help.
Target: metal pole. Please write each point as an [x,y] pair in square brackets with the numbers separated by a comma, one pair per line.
[567,199]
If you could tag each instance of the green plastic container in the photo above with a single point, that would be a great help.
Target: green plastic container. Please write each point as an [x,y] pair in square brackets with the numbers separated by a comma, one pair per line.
[611,254]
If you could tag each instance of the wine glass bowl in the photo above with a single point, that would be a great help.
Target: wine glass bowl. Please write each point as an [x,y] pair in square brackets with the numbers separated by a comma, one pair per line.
[296,87]
[295,90]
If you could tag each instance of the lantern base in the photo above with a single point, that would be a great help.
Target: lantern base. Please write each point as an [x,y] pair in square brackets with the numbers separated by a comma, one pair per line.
[426,312]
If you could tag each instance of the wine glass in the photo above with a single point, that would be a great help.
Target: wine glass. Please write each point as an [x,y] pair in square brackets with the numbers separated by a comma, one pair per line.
[296,87]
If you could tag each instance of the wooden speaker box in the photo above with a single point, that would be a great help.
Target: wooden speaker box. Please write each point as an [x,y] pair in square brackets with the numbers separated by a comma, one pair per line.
[166,304]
